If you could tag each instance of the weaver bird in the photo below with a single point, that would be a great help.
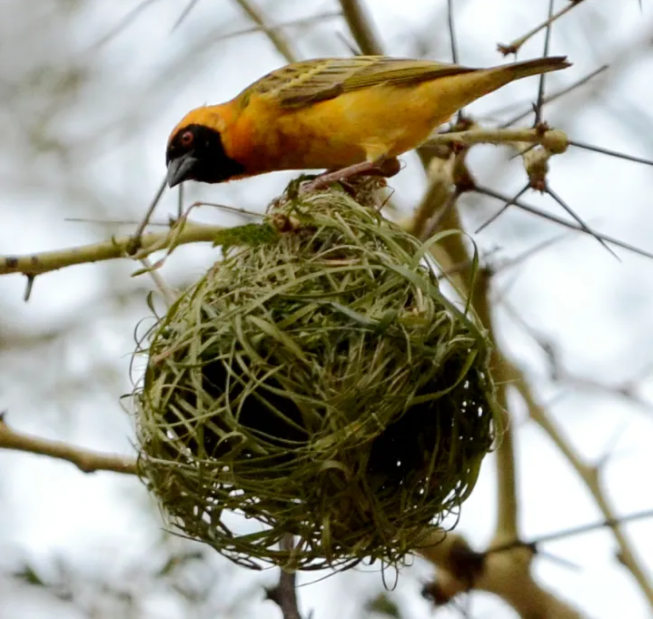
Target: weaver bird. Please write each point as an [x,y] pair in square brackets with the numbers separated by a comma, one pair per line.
[351,115]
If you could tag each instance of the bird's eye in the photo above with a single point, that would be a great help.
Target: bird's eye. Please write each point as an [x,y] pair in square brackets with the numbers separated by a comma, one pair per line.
[186,138]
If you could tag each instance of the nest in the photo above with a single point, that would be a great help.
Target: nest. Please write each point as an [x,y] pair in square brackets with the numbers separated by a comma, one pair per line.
[318,382]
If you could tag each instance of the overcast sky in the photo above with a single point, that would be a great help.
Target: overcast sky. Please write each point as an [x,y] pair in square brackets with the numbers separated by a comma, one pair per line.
[107,161]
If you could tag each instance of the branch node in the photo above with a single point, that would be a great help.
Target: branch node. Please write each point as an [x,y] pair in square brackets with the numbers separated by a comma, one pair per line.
[536,164]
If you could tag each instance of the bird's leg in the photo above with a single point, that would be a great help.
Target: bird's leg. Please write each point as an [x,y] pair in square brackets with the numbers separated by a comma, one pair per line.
[383,166]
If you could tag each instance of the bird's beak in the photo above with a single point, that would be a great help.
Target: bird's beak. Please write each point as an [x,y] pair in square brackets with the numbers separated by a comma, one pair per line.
[179,168]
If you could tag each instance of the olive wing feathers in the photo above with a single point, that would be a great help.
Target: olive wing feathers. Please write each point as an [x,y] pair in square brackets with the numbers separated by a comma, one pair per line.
[307,82]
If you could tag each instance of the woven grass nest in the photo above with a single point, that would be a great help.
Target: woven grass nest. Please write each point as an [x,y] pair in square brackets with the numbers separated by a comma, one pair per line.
[316,381]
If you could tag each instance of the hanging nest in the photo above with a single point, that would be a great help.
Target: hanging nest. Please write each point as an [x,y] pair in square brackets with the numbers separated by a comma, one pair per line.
[317,381]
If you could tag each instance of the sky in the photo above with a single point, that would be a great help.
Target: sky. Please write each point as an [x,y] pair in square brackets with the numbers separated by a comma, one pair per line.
[97,151]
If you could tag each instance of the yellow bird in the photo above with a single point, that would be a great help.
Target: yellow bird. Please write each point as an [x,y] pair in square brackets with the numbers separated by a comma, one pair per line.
[351,115]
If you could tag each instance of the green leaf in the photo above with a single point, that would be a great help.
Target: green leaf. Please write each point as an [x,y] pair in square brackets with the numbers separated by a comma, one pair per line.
[251,235]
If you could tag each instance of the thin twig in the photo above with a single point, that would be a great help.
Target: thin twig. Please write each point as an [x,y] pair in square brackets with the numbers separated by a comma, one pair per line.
[554,96]
[559,374]
[579,221]
[184,14]
[558,220]
[230,209]
[611,153]
[123,23]
[276,38]
[625,391]
[86,461]
[542,81]
[350,45]
[527,255]
[513,48]
[360,25]
[113,222]
[589,475]
[574,531]
[451,23]
[452,32]
[503,209]
[295,23]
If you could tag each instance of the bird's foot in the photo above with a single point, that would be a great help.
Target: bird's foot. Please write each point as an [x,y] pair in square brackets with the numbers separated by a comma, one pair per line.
[382,167]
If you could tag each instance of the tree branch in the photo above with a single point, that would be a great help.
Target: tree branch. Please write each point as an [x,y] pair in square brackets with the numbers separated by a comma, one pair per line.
[86,461]
[507,526]
[284,594]
[589,475]
[506,575]
[553,140]
[44,262]
[460,569]
[437,196]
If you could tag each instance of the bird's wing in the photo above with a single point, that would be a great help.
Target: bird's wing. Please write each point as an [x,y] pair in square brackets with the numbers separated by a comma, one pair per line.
[311,81]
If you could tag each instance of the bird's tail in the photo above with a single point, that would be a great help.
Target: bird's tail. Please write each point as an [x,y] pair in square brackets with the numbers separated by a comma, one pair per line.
[471,84]
[534,67]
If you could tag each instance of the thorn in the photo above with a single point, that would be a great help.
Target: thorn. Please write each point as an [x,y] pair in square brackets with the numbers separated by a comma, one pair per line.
[184,14]
[575,531]
[504,208]
[521,153]
[560,560]
[29,287]
[487,191]
[611,153]
[529,253]
[348,44]
[612,443]
[557,95]
[582,224]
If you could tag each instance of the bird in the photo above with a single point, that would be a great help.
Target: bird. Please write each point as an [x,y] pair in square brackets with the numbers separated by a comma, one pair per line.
[349,116]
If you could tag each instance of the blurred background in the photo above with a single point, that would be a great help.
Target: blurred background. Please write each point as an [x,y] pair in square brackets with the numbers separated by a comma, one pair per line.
[89,91]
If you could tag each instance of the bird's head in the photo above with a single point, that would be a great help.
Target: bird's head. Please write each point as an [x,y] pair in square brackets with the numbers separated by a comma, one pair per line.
[196,150]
